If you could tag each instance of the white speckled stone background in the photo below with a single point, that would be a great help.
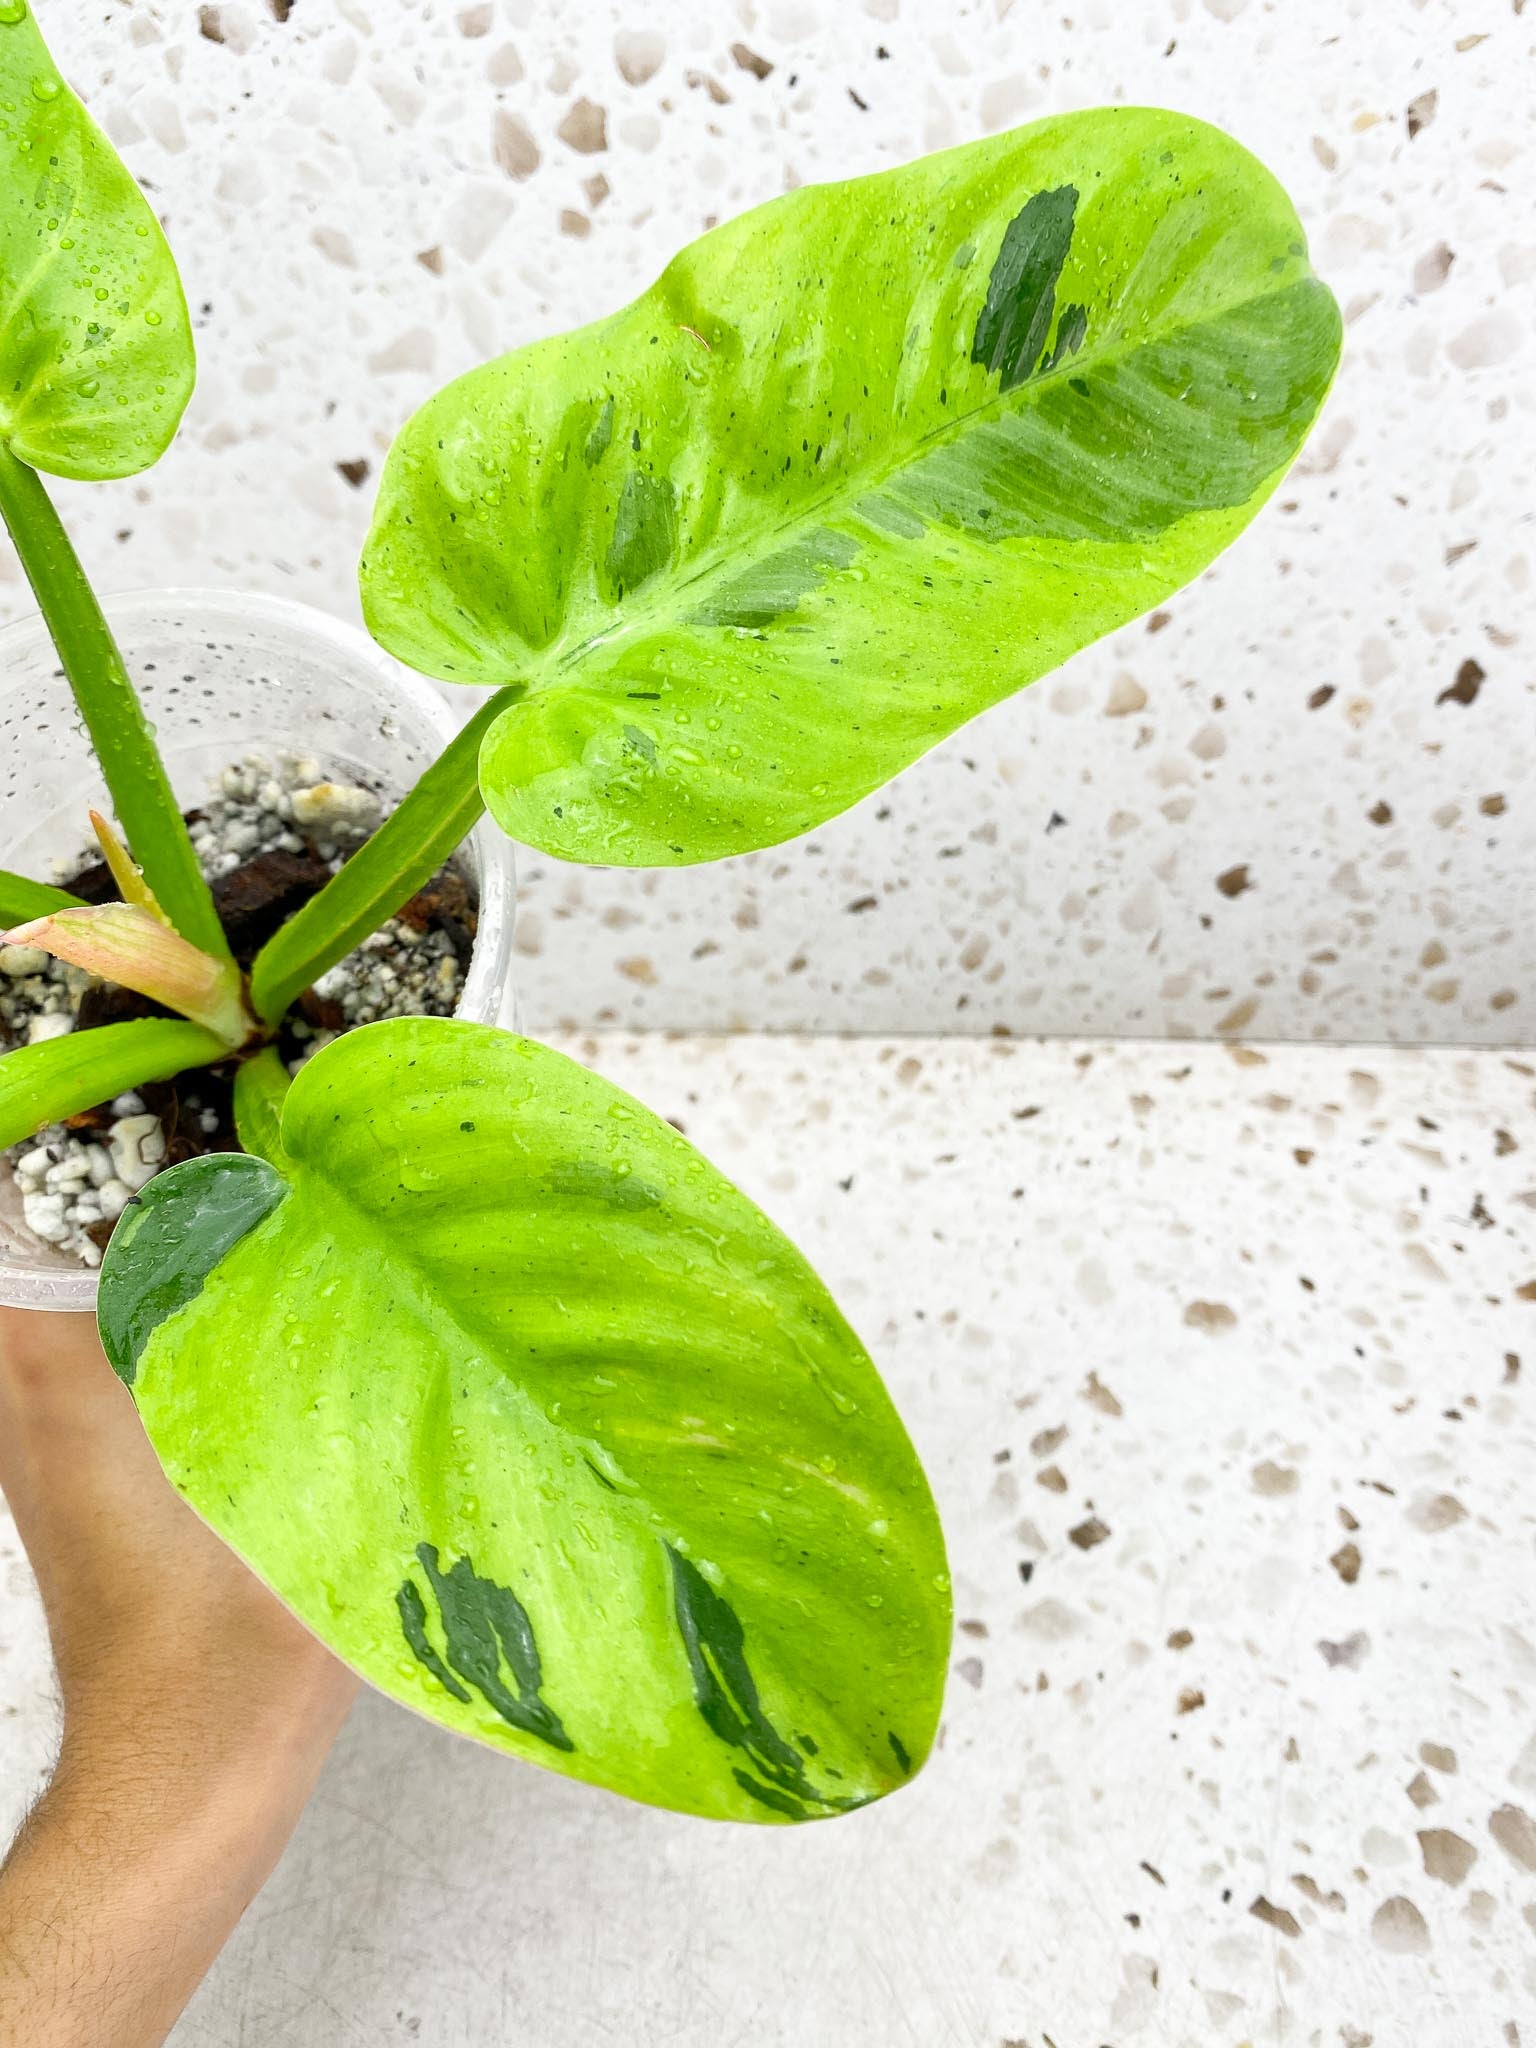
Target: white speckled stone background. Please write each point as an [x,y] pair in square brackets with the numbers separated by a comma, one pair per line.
[1220,1363]
[368,198]
[1220,1357]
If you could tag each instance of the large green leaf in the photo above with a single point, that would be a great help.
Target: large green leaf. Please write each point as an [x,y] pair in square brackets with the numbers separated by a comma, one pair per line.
[858,465]
[96,359]
[543,1427]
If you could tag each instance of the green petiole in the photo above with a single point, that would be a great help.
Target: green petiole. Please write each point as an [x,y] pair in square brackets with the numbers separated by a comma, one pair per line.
[261,1083]
[408,848]
[21,900]
[42,1084]
[121,735]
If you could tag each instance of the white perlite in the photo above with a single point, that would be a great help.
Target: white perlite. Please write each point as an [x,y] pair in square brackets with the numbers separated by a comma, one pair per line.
[335,808]
[252,810]
[69,1179]
[20,961]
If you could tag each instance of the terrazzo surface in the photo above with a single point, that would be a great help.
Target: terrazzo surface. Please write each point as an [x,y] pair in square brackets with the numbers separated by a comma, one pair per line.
[1294,802]
[1220,1359]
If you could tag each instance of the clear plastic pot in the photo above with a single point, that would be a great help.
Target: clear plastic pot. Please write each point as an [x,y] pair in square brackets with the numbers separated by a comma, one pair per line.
[220,676]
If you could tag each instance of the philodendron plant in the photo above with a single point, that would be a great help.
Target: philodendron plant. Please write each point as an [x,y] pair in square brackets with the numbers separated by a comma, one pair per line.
[504,1389]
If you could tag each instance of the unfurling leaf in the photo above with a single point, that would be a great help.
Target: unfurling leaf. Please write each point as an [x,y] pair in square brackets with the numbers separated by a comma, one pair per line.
[125,871]
[860,464]
[543,1427]
[132,946]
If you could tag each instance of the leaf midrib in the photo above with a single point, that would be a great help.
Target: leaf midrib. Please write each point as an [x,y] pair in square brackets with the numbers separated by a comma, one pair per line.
[429,1302]
[638,1509]
[721,563]
[430,1290]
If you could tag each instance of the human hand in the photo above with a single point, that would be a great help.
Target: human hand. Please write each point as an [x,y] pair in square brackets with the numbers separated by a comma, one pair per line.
[196,1713]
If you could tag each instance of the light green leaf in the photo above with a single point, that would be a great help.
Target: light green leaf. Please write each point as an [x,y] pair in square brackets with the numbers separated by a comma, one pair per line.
[544,1428]
[40,1084]
[96,358]
[857,466]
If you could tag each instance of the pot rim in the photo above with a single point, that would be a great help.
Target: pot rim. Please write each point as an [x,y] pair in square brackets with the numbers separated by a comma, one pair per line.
[486,997]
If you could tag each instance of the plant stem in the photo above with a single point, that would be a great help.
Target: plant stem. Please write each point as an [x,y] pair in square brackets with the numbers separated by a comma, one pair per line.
[261,1083]
[120,733]
[386,871]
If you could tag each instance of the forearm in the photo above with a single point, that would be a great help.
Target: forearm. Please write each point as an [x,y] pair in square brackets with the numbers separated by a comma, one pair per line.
[135,1865]
[197,1713]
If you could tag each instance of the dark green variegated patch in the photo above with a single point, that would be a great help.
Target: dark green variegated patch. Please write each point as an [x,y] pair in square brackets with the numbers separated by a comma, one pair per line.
[1052,473]
[859,465]
[1071,333]
[602,433]
[485,1628]
[165,1246]
[543,1427]
[644,532]
[413,1623]
[768,589]
[1014,324]
[600,1182]
[771,1771]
